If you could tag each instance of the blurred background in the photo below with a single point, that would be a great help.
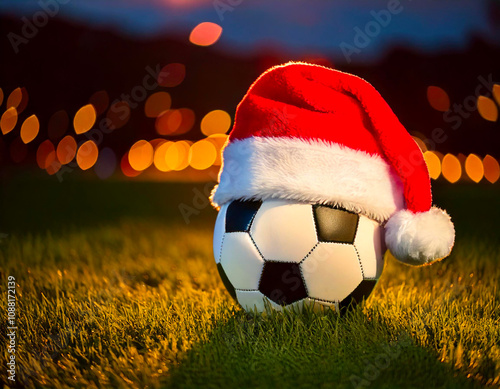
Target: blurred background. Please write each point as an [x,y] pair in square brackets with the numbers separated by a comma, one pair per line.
[147,90]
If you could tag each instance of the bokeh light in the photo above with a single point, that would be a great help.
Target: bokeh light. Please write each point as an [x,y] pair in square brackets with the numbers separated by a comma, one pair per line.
[474,168]
[1,96]
[159,160]
[127,170]
[175,121]
[205,34]
[84,119]
[18,150]
[46,154]
[156,104]
[24,101]
[54,167]
[496,93]
[172,75]
[491,169]
[202,154]
[106,163]
[140,156]
[58,125]
[438,98]
[219,140]
[487,108]
[8,120]
[433,164]
[420,143]
[100,101]
[29,129]
[14,98]
[118,115]
[177,154]
[451,168]
[87,155]
[66,149]
[215,122]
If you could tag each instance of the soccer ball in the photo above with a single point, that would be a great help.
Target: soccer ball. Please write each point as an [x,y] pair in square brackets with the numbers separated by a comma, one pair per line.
[279,253]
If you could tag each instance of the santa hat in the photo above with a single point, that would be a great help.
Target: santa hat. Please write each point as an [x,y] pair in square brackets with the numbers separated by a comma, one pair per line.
[312,134]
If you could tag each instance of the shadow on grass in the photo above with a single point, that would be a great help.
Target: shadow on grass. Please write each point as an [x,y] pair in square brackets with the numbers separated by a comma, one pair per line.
[312,350]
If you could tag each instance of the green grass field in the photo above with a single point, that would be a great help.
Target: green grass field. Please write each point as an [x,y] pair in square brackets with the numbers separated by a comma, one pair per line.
[114,289]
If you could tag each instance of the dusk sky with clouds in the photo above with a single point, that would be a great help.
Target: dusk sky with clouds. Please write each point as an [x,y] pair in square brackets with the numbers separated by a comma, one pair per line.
[296,26]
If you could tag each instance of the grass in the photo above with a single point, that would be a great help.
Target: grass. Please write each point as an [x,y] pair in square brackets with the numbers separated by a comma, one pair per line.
[116,290]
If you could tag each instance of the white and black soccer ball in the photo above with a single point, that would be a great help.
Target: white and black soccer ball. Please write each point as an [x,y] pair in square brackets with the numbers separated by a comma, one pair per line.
[279,253]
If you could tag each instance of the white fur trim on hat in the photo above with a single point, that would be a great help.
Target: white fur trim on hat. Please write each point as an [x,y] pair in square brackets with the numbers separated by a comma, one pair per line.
[420,238]
[311,171]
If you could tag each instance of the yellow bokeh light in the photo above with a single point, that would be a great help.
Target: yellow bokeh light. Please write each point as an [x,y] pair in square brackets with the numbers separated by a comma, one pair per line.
[140,156]
[438,98]
[157,103]
[8,120]
[15,98]
[202,154]
[219,140]
[84,119]
[487,108]
[30,128]
[491,169]
[215,122]
[205,34]
[66,149]
[451,168]
[433,164]
[474,168]
[160,157]
[1,96]
[87,155]
[176,157]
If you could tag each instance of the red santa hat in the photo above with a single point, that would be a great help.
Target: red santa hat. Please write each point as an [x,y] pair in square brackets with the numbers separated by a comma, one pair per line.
[312,134]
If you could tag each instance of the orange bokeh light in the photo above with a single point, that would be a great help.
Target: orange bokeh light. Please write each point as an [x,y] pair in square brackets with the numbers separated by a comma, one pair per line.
[84,119]
[58,125]
[176,156]
[156,104]
[87,155]
[127,170]
[451,168]
[433,164]
[420,143]
[1,96]
[491,169]
[219,140]
[438,98]
[172,75]
[8,120]
[46,154]
[160,156]
[175,121]
[66,149]
[205,34]
[496,93]
[487,108]
[118,115]
[215,122]
[140,156]
[202,154]
[474,168]
[15,98]
[30,128]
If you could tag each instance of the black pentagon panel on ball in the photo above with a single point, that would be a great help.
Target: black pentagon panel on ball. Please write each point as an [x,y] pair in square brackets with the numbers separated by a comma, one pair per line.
[335,225]
[282,282]
[226,282]
[240,214]
[361,292]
